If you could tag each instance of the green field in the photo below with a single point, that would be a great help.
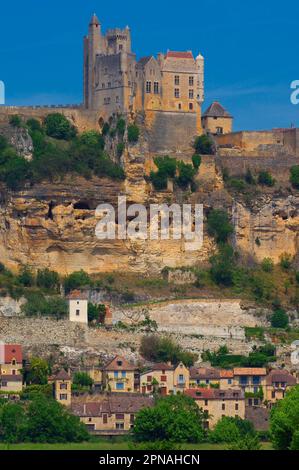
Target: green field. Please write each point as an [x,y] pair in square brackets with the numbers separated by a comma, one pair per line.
[102,444]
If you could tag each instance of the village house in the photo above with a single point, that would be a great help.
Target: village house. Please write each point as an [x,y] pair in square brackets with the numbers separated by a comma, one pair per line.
[211,377]
[216,120]
[62,387]
[217,403]
[165,378]
[278,381]
[110,414]
[119,375]
[11,363]
[252,380]
[78,306]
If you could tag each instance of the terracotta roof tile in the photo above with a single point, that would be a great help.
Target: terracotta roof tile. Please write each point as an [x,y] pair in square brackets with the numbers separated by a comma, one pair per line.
[77,294]
[12,351]
[112,404]
[250,371]
[119,363]
[229,374]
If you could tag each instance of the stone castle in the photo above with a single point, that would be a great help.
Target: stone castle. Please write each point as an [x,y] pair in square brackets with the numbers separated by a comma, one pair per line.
[115,82]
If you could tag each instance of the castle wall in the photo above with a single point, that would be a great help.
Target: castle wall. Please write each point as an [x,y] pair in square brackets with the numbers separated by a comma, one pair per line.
[170,131]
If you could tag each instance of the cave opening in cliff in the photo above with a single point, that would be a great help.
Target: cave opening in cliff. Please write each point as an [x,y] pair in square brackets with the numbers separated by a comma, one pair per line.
[50,210]
[85,205]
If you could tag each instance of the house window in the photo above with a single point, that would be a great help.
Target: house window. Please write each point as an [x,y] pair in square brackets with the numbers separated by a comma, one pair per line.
[206,402]
[13,362]
[148,388]
[132,418]
[117,99]
[149,378]
[229,381]
[256,401]
[180,106]
[77,312]
[89,420]
[4,383]
[103,85]
[120,386]
[14,372]
[156,87]
[109,84]
[256,380]
[176,80]
[63,386]
[123,374]
[273,394]
[243,380]
[236,406]
[176,92]
[115,374]
[190,106]
[63,396]
[119,416]
[119,363]
[207,381]
[105,419]
[148,87]
[119,426]
[191,81]
[163,378]
[120,47]
[181,378]
[250,401]
[223,406]
[191,94]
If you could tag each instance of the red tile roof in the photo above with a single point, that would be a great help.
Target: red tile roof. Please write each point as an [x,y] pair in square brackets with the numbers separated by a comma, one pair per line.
[250,371]
[13,351]
[119,363]
[179,55]
[77,294]
[214,394]
[226,374]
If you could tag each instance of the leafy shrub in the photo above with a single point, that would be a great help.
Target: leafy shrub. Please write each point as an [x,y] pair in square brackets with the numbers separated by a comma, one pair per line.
[294,176]
[38,304]
[285,261]
[38,371]
[279,319]
[229,429]
[47,279]
[173,418]
[133,133]
[186,174]
[59,127]
[121,126]
[284,420]
[15,120]
[196,160]
[249,178]
[76,280]
[163,349]
[26,277]
[34,125]
[267,265]
[203,145]
[219,225]
[83,379]
[120,149]
[92,139]
[222,266]
[265,178]
[105,128]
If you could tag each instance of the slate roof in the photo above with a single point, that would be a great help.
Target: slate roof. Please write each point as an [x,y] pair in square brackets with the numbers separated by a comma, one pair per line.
[280,375]
[62,375]
[179,55]
[112,404]
[216,110]
[204,373]
[144,60]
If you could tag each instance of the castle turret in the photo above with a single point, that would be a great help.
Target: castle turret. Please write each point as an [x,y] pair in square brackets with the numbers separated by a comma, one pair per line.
[92,47]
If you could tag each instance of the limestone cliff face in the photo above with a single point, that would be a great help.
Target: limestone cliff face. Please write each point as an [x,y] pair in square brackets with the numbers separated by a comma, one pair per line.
[269,228]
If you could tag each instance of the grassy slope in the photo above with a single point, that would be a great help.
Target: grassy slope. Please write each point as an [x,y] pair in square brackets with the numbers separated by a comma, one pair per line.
[106,445]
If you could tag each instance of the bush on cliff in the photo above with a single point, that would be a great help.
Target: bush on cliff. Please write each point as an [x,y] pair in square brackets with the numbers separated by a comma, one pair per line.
[47,279]
[59,127]
[133,133]
[186,174]
[76,280]
[294,176]
[279,319]
[38,304]
[219,225]
[163,349]
[203,145]
[265,178]
[223,266]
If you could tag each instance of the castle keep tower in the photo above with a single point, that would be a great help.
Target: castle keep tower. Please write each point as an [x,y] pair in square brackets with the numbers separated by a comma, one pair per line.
[168,90]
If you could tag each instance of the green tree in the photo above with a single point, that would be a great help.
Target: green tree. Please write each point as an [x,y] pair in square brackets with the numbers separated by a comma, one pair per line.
[164,349]
[279,319]
[82,379]
[222,266]
[15,120]
[265,178]
[284,422]
[219,225]
[26,277]
[186,174]
[196,161]
[133,133]
[12,423]
[38,372]
[47,279]
[229,429]
[59,127]
[203,145]
[286,261]
[294,176]
[34,125]
[246,443]
[76,280]
[92,139]
[49,421]
[174,418]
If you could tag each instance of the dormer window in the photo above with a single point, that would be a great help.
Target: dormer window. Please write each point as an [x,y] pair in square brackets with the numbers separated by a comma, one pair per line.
[119,363]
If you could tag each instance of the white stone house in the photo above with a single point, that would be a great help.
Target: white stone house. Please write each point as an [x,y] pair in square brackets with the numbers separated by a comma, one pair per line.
[78,306]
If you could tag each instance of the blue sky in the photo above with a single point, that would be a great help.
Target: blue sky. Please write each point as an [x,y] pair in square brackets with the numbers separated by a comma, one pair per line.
[251,49]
